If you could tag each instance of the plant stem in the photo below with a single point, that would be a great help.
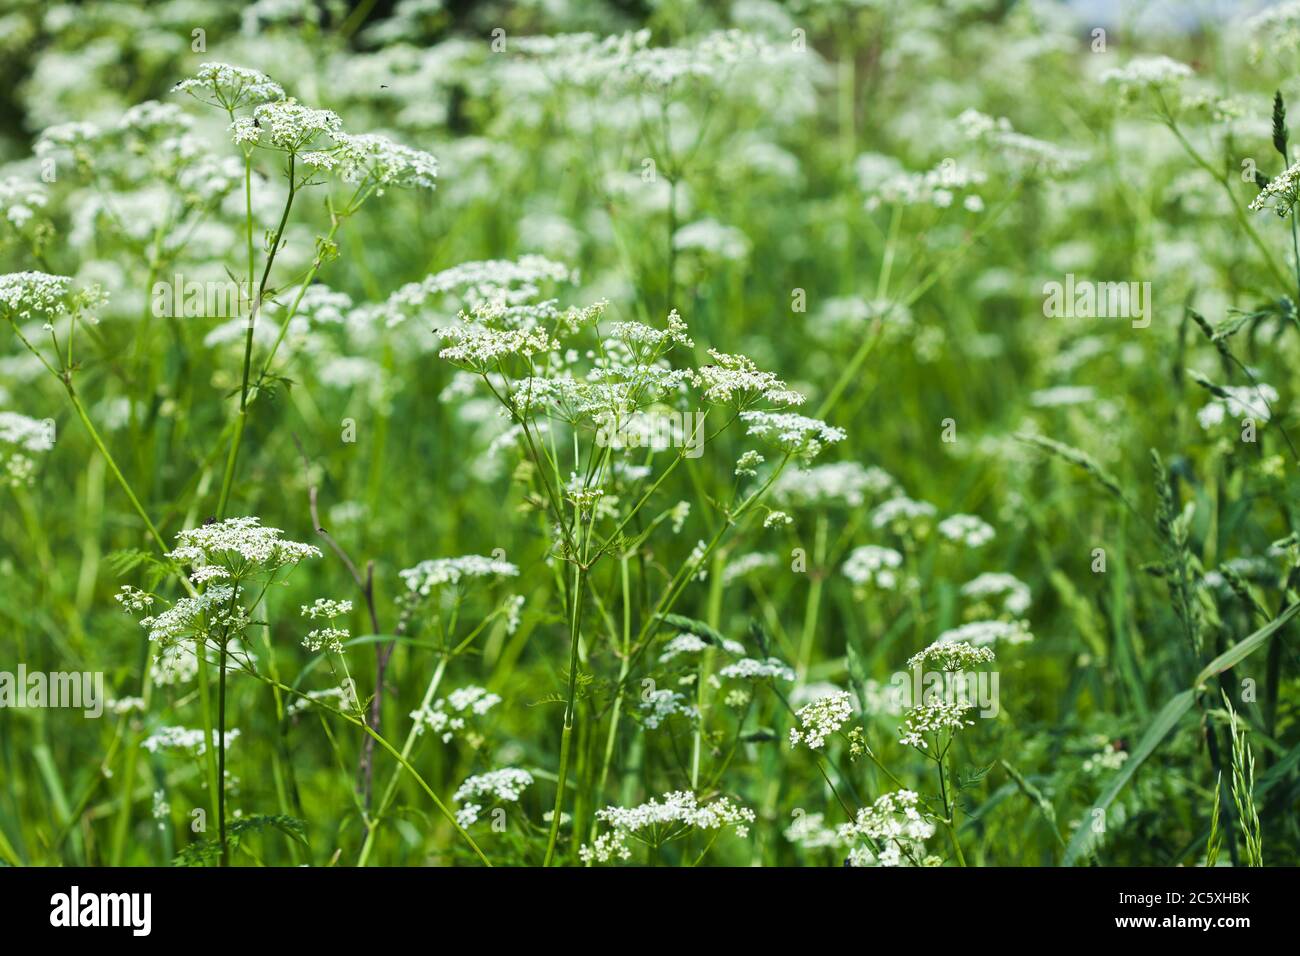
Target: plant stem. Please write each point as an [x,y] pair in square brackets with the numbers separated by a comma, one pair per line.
[566,735]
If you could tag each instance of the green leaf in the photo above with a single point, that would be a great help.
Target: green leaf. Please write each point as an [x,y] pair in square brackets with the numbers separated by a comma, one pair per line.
[1244,648]
[690,625]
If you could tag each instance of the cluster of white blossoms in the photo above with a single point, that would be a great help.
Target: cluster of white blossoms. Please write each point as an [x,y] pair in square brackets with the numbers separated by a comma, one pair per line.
[934,717]
[656,822]
[1238,402]
[20,199]
[435,572]
[967,530]
[746,564]
[75,138]
[217,610]
[838,484]
[292,127]
[481,348]
[749,668]
[937,187]
[230,87]
[506,785]
[694,644]
[747,465]
[237,548]
[1014,594]
[1280,193]
[314,138]
[1277,27]
[798,435]
[182,738]
[1025,151]
[448,715]
[873,566]
[658,705]
[951,656]
[641,338]
[628,59]
[1147,73]
[133,599]
[330,637]
[502,281]
[20,435]
[902,515]
[736,380]
[777,519]
[153,117]
[821,718]
[895,825]
[712,238]
[984,633]
[376,160]
[39,295]
[1109,757]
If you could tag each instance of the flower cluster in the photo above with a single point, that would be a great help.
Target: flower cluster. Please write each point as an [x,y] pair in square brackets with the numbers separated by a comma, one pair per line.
[20,435]
[844,484]
[506,785]
[983,633]
[735,379]
[951,656]
[230,87]
[1280,193]
[1014,593]
[894,826]
[749,668]
[448,715]
[656,822]
[658,705]
[933,717]
[821,718]
[183,738]
[237,548]
[873,566]
[328,638]
[38,295]
[798,435]
[966,530]
[435,572]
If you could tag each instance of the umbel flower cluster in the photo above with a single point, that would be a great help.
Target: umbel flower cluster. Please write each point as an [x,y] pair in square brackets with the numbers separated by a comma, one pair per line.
[226,559]
[657,822]
[315,138]
[890,832]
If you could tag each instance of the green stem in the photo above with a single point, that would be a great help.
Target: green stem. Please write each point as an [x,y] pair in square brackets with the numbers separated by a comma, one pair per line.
[566,735]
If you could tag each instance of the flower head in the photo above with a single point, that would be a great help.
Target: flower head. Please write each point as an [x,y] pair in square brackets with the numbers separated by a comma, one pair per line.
[238,547]
[230,87]
[821,718]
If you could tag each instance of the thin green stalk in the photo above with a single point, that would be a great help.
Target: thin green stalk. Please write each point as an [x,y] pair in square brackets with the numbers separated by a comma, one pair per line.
[566,735]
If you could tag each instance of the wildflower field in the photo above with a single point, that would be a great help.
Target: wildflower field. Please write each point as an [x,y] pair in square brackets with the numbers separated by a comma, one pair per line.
[593,433]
